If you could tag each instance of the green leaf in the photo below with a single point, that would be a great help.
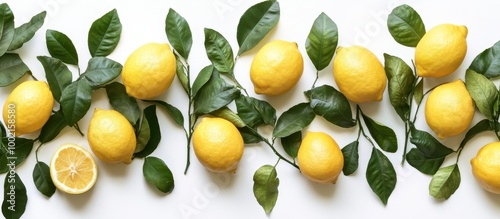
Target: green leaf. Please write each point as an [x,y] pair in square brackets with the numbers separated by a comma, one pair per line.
[76,100]
[401,80]
[143,135]
[294,120]
[4,161]
[249,136]
[12,68]
[14,153]
[26,31]
[255,112]
[42,180]
[381,175]
[104,34]
[155,133]
[178,33]
[418,92]
[405,25]
[57,74]
[291,143]
[487,63]
[445,182]
[256,23]
[322,41]
[122,102]
[351,158]
[175,113]
[157,173]
[383,135]
[423,163]
[265,187]
[481,126]
[202,78]
[428,145]
[215,94]
[229,115]
[7,30]
[483,92]
[100,71]
[332,105]
[181,74]
[61,47]
[219,51]
[52,127]
[13,208]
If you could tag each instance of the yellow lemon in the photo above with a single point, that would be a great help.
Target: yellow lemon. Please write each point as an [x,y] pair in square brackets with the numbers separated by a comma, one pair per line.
[149,71]
[28,107]
[441,50]
[276,68]
[359,74]
[111,137]
[73,169]
[449,109]
[218,145]
[320,158]
[486,167]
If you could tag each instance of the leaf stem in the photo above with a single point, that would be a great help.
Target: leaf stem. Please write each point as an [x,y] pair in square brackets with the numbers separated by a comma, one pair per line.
[32,76]
[315,80]
[271,145]
[358,119]
[77,127]
[36,151]
[189,134]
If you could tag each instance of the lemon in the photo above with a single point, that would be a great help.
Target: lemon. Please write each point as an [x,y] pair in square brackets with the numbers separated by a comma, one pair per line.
[218,145]
[28,107]
[276,68]
[149,71]
[486,167]
[73,169]
[441,50]
[111,137]
[320,158]
[359,74]
[449,109]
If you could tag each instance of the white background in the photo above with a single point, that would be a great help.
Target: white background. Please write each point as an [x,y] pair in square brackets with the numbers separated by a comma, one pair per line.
[121,191]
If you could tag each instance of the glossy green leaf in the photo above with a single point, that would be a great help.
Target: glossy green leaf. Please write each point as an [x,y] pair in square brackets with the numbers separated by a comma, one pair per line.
[13,208]
[100,71]
[12,68]
[401,80]
[291,143]
[4,160]
[265,187]
[52,128]
[351,158]
[405,25]
[383,135]
[381,175]
[328,102]
[483,92]
[143,134]
[122,102]
[219,51]
[322,41]
[418,92]
[229,115]
[57,74]
[175,113]
[424,164]
[481,126]
[42,180]
[61,47]
[26,31]
[178,33]
[201,79]
[6,28]
[428,145]
[249,135]
[487,62]
[294,120]
[181,73]
[215,94]
[157,173]
[104,34]
[155,133]
[255,112]
[15,152]
[76,100]
[445,182]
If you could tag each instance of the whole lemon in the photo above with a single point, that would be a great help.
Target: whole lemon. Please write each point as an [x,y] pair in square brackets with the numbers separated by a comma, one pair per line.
[28,107]
[320,158]
[449,109]
[111,136]
[486,167]
[218,145]
[276,68]
[149,71]
[359,74]
[441,50]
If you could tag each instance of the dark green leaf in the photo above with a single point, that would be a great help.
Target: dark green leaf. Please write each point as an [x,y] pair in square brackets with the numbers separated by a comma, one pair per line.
[418,92]
[329,103]
[16,151]
[482,126]
[294,120]
[157,173]
[265,187]
[483,92]
[104,34]
[423,163]
[487,63]
[322,41]
[383,135]
[249,135]
[6,27]
[61,47]
[14,197]
[291,143]
[255,112]
[381,175]
[256,23]
[351,158]
[57,74]
[405,25]
[122,102]
[175,113]
[52,127]
[178,33]
[215,94]
[428,145]
[445,182]
[401,80]
[202,78]
[42,180]
[143,135]
[100,71]
[76,100]
[26,31]
[4,161]
[219,51]
[155,133]
[12,68]
[181,74]
[229,115]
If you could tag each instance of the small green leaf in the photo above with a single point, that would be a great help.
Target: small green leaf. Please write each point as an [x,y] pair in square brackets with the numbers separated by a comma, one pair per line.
[26,31]
[265,187]
[405,25]
[294,120]
[423,163]
[249,136]
[418,92]
[178,33]
[76,100]
[202,78]
[481,126]
[122,102]
[487,63]
[229,115]
[445,182]
[143,135]
[401,80]
[61,47]
[7,30]
[104,34]
[12,68]
[52,127]
[291,143]
[256,23]
[57,74]
[383,135]
[322,41]
[100,71]
[351,158]
[215,94]
[175,113]
[155,133]
[483,92]
[219,51]
[42,180]
[328,102]
[157,173]
[18,152]
[381,175]
[255,112]
[181,74]
[428,145]
[13,208]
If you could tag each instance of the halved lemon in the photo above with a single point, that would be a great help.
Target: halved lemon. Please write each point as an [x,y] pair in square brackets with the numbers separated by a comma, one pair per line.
[73,169]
